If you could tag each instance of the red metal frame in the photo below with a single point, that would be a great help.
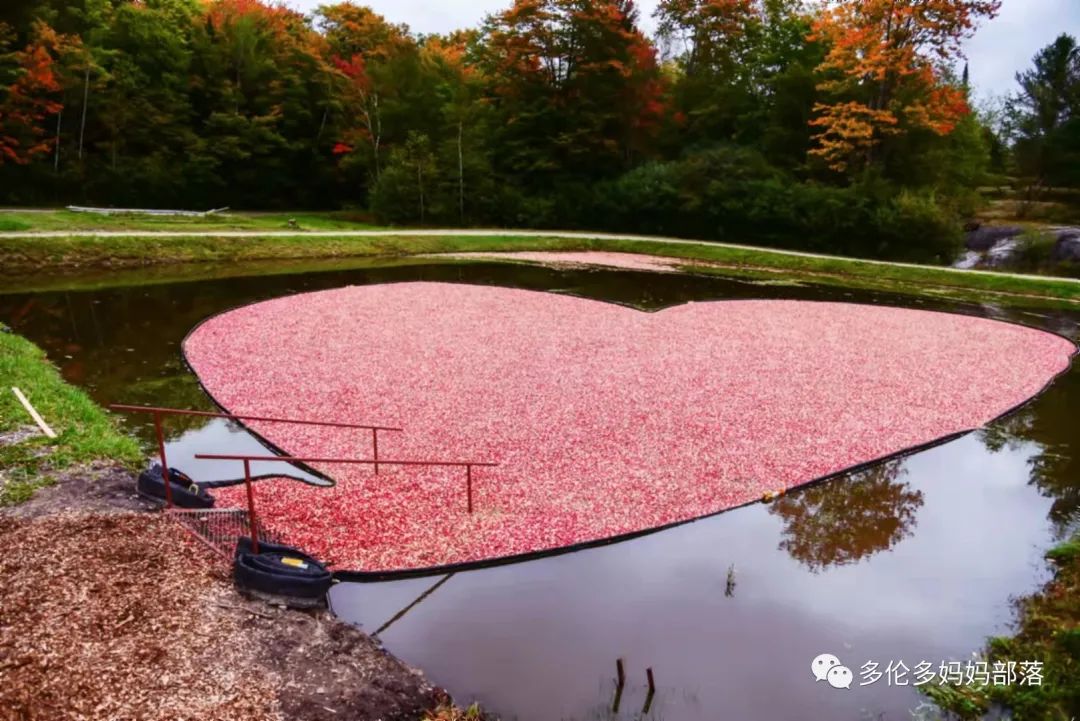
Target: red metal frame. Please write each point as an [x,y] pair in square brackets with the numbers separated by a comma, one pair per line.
[253,525]
[247,459]
[158,412]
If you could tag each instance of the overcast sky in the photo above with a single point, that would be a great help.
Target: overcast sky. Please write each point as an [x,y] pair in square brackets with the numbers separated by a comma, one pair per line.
[1001,48]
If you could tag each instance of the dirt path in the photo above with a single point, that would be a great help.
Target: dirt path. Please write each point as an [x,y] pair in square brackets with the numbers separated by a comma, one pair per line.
[474,233]
[116,614]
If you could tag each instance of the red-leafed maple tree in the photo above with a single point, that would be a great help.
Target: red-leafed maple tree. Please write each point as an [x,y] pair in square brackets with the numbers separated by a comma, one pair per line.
[883,72]
[29,97]
[375,59]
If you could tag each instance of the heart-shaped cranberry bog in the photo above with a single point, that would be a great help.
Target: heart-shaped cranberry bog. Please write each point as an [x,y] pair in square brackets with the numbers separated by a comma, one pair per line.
[606,421]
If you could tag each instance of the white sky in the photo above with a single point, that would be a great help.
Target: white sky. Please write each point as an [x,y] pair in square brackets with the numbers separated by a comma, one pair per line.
[1001,48]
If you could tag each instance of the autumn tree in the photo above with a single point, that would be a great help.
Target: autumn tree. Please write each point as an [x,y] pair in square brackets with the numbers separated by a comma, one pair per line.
[28,95]
[134,85]
[745,72]
[382,84]
[883,73]
[712,42]
[575,84]
[553,112]
[261,93]
[459,89]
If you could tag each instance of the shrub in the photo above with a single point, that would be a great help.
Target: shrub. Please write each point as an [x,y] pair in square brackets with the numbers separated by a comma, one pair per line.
[723,193]
[734,195]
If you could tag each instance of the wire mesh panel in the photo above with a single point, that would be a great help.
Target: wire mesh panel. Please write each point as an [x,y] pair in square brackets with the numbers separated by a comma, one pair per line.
[219,528]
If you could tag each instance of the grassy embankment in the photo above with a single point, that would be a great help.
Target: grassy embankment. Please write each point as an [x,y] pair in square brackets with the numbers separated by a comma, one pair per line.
[71,254]
[1048,631]
[85,431]
[66,220]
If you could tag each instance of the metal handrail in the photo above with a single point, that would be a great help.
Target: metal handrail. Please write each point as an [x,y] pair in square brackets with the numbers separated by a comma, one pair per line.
[365,461]
[211,414]
[159,411]
[247,459]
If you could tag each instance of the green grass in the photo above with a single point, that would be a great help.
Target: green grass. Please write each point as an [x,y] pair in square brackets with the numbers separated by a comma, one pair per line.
[22,256]
[1065,553]
[1048,631]
[85,431]
[11,224]
[68,221]
[847,268]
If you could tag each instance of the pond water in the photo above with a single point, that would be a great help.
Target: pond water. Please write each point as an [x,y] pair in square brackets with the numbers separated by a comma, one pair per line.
[915,560]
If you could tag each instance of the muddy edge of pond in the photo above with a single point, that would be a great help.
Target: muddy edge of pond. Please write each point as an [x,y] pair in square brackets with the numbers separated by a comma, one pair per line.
[164,627]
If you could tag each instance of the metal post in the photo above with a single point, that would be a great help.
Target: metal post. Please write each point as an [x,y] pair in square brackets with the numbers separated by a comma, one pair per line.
[375,447]
[468,483]
[651,694]
[164,463]
[251,508]
[620,681]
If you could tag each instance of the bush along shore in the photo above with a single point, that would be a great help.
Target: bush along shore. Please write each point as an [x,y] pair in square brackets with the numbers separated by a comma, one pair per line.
[141,619]
[1048,631]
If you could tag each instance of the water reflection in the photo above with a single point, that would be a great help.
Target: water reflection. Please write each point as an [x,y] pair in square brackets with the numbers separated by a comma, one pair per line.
[1049,425]
[221,436]
[539,640]
[847,519]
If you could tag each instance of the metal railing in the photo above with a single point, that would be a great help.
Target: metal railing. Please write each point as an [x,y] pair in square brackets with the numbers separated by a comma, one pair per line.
[219,528]
[247,460]
[158,412]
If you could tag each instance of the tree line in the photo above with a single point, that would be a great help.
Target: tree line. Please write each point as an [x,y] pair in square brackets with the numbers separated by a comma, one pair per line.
[845,127]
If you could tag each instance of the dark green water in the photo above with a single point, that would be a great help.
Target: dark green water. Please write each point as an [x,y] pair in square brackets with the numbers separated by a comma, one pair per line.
[914,560]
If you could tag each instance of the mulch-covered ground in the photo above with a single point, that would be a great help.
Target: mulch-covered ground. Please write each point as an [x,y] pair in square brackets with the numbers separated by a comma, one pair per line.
[120,616]
[605,420]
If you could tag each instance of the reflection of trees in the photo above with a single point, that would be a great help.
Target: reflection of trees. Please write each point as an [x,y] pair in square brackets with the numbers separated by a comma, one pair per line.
[849,518]
[1050,423]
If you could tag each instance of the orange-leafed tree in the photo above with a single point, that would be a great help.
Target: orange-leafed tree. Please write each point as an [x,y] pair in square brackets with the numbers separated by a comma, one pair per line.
[883,75]
[378,61]
[29,96]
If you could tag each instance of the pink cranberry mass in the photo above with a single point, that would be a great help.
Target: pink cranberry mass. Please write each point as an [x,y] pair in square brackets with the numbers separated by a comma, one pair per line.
[605,420]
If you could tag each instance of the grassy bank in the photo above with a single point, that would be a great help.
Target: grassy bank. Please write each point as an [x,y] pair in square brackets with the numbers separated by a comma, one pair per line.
[1048,631]
[22,256]
[73,222]
[85,432]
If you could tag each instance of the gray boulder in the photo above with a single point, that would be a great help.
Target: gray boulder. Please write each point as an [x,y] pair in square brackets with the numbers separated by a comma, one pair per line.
[986,237]
[1067,245]
[1002,253]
